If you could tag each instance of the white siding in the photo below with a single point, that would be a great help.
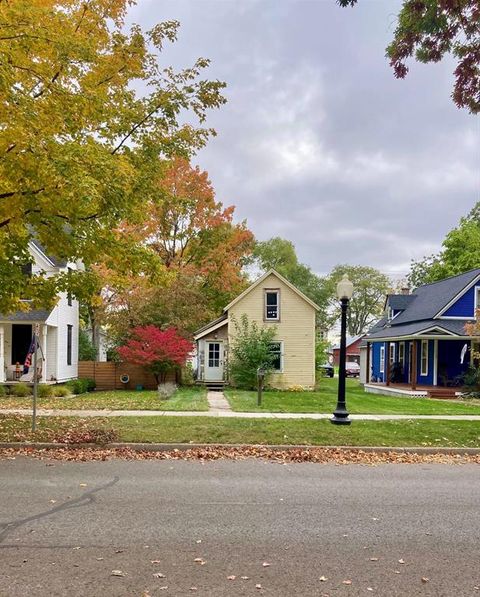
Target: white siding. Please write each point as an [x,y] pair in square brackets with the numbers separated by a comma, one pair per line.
[62,316]
[51,353]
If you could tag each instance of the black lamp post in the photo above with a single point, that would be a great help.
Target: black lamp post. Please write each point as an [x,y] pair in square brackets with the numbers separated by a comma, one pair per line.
[344,294]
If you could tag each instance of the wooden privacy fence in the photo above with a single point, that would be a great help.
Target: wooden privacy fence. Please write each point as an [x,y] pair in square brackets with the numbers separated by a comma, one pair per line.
[107,375]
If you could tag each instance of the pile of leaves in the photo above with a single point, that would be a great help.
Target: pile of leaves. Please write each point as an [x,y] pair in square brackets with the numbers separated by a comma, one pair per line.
[336,456]
[74,431]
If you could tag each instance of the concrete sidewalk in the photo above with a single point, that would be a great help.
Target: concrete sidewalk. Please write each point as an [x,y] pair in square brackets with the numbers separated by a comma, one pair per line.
[219,413]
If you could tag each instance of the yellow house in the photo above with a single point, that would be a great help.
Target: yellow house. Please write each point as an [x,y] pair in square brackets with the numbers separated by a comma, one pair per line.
[270,301]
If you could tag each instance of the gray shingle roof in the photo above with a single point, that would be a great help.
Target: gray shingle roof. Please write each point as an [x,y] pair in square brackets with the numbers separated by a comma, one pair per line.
[56,262]
[454,326]
[211,324]
[350,340]
[431,298]
[34,315]
[420,308]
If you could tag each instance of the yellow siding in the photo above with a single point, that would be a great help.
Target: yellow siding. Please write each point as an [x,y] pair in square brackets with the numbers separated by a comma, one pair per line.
[296,329]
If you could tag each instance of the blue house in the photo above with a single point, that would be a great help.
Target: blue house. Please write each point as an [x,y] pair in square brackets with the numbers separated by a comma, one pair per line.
[420,347]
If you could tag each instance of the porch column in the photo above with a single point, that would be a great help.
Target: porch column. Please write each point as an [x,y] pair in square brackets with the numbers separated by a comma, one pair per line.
[43,344]
[387,363]
[367,376]
[435,362]
[2,354]
[413,365]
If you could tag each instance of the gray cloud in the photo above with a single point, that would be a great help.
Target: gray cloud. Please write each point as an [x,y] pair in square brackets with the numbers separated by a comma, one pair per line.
[318,142]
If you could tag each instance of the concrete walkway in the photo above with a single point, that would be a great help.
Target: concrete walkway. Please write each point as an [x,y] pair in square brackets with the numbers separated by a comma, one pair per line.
[227,414]
[217,402]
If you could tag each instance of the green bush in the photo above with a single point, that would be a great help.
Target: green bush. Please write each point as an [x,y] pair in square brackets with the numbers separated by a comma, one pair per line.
[187,375]
[86,350]
[471,379]
[20,390]
[3,392]
[81,385]
[61,391]
[250,351]
[44,391]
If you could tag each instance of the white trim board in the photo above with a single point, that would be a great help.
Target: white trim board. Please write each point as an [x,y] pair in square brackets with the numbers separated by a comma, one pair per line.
[457,296]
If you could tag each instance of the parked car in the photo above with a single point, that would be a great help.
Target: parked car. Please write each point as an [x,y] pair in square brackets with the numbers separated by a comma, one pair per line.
[326,369]
[352,369]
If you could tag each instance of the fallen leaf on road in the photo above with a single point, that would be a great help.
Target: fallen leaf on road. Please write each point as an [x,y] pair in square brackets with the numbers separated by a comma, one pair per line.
[53,501]
[119,551]
[198,541]
[193,589]
[259,586]
[425,579]
[369,589]
[265,564]
[155,561]
[83,484]
[159,575]
[346,582]
[397,571]
[117,573]
[245,577]
[401,561]
[76,548]
[164,588]
[231,577]
[200,561]
[373,559]
[323,579]
[99,559]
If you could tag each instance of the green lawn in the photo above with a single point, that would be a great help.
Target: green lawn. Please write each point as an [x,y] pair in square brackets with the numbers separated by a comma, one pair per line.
[324,399]
[194,398]
[231,431]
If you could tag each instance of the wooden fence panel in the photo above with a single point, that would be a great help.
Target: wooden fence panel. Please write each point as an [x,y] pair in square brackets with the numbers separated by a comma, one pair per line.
[107,375]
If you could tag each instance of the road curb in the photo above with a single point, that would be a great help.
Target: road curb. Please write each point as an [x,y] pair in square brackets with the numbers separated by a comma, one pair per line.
[145,447]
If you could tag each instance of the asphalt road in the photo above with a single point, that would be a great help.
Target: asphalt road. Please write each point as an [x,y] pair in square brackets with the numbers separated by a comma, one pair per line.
[66,526]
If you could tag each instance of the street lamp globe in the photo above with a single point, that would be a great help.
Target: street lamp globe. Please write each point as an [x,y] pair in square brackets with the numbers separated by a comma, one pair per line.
[344,288]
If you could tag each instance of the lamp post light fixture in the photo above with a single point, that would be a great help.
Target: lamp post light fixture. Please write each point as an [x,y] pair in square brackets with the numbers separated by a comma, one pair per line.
[344,294]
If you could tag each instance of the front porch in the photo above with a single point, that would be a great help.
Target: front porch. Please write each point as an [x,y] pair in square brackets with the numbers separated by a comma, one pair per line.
[15,340]
[404,390]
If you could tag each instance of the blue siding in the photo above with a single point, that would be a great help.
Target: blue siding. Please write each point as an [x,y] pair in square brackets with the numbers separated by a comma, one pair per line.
[425,379]
[449,365]
[464,306]
[376,361]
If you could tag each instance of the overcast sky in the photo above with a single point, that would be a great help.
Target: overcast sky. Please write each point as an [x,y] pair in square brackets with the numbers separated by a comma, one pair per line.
[319,143]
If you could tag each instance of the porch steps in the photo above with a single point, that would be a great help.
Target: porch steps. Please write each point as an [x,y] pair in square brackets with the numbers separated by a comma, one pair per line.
[213,386]
[444,393]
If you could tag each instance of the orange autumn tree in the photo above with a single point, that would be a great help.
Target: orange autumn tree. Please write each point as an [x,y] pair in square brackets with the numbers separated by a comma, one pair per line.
[201,249]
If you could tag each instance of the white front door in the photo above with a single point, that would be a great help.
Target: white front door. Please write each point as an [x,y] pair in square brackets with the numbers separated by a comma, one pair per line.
[214,361]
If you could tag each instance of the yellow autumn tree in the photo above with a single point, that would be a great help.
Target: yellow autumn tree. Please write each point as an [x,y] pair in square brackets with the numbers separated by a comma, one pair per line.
[77,140]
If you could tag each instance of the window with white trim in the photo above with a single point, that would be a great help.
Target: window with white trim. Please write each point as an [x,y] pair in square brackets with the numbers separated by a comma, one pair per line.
[424,357]
[272,305]
[382,359]
[276,350]
[401,354]
[392,353]
[477,302]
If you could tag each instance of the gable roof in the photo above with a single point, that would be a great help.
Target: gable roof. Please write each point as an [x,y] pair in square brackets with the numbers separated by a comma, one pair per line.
[399,302]
[53,260]
[264,277]
[210,327]
[350,340]
[430,299]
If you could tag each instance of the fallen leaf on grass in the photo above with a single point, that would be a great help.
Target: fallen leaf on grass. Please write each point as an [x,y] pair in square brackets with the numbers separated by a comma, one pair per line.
[117,573]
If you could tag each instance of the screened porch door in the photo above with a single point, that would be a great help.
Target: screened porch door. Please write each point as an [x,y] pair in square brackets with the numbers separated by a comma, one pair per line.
[214,361]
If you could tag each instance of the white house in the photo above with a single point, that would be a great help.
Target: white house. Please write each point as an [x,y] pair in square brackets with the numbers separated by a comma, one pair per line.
[58,331]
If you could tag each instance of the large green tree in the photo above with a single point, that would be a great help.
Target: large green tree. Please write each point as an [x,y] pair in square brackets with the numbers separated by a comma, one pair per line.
[77,141]
[431,29]
[460,253]
[370,288]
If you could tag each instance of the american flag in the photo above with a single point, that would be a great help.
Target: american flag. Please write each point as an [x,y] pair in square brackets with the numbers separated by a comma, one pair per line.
[28,359]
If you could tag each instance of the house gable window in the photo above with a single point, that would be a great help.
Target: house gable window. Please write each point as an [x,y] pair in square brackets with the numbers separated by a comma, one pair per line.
[424,358]
[382,359]
[272,305]
[69,344]
[276,350]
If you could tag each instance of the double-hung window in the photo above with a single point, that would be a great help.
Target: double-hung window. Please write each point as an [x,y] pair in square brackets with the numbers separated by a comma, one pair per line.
[401,354]
[424,358]
[276,352]
[392,354]
[272,305]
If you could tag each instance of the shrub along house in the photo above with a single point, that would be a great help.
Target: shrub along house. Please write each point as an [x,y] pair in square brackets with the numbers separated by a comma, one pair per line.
[271,300]
[420,347]
[58,332]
